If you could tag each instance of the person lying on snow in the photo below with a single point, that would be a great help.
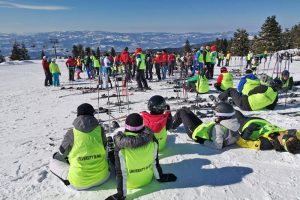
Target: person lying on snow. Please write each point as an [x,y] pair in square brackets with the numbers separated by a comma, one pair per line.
[136,157]
[159,120]
[221,132]
[81,161]
[258,98]
[287,81]
[258,133]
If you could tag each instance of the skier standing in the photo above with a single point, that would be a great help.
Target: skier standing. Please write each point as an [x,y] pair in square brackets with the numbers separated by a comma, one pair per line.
[48,76]
[54,69]
[71,64]
[140,75]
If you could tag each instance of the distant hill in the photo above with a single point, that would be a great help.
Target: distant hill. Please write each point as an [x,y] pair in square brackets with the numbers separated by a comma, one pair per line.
[35,42]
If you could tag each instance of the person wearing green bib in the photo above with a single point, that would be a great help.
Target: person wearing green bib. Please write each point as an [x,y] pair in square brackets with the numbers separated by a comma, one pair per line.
[258,98]
[260,134]
[136,157]
[81,162]
[221,132]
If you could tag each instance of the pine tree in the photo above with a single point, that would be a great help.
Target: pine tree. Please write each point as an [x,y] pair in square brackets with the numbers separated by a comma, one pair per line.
[75,51]
[2,59]
[187,47]
[16,52]
[112,52]
[98,53]
[42,54]
[87,51]
[240,42]
[24,52]
[295,36]
[287,39]
[270,34]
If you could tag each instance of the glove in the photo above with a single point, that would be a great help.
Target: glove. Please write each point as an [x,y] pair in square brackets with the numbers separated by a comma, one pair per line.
[115,197]
[167,178]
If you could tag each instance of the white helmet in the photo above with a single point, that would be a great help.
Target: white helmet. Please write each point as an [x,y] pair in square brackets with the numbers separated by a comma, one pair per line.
[44,57]
[53,60]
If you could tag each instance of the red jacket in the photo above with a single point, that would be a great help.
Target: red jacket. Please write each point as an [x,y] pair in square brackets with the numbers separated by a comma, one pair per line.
[71,62]
[171,57]
[219,80]
[124,58]
[132,59]
[164,58]
[155,122]
[45,66]
[158,59]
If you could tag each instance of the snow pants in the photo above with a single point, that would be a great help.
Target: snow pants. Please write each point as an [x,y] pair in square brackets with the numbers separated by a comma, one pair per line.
[48,79]
[164,70]
[238,99]
[140,78]
[71,73]
[189,120]
[149,73]
[157,69]
[55,79]
[61,170]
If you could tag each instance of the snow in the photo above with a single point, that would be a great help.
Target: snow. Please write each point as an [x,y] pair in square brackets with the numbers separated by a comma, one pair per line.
[34,120]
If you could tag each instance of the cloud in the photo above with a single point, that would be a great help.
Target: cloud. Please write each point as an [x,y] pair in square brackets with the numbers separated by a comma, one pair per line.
[5,4]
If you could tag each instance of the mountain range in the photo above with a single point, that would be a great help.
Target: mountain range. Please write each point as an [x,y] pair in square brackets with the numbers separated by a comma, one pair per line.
[36,42]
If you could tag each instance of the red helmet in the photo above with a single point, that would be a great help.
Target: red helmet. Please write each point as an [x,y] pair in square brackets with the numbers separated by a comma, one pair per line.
[213,48]
[138,50]
[223,69]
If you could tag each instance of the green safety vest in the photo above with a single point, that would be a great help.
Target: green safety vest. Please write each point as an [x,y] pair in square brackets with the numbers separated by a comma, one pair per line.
[227,81]
[213,57]
[265,128]
[202,85]
[261,100]
[54,68]
[143,64]
[200,58]
[161,138]
[203,131]
[139,164]
[88,163]
[286,84]
[250,85]
[249,56]
[96,63]
[208,56]
[221,56]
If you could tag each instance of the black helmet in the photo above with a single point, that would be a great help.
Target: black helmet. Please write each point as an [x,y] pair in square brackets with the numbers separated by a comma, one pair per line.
[276,84]
[157,104]
[225,110]
[285,73]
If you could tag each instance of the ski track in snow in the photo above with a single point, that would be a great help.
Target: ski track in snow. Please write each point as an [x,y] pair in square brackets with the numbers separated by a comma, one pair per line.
[34,120]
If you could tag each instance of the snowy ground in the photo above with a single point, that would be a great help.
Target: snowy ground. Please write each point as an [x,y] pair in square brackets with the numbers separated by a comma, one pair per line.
[34,120]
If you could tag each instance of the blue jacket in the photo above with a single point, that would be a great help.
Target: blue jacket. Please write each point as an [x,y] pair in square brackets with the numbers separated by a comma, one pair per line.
[244,80]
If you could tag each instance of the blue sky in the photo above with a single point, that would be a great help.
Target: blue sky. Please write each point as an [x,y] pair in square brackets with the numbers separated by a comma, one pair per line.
[22,16]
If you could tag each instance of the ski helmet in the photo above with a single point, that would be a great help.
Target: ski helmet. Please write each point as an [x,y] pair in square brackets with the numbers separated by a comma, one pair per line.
[85,109]
[157,104]
[290,141]
[134,123]
[249,71]
[224,109]
[285,73]
[53,60]
[276,84]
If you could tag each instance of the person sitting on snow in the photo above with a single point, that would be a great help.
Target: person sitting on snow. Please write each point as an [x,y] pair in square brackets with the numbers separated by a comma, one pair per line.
[136,157]
[258,133]
[248,82]
[81,162]
[158,120]
[198,83]
[258,98]
[221,132]
[224,81]
[287,80]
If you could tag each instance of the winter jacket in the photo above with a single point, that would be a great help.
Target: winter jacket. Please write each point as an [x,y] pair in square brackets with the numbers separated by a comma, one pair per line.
[106,61]
[70,62]
[82,123]
[54,68]
[124,58]
[218,135]
[226,82]
[171,58]
[287,84]
[45,66]
[243,81]
[164,59]
[136,160]
[158,59]
[159,124]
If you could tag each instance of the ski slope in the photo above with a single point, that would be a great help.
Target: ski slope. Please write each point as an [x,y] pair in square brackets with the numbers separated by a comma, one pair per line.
[34,120]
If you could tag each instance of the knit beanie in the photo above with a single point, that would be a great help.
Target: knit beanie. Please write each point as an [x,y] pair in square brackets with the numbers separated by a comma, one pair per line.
[85,109]
[134,122]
